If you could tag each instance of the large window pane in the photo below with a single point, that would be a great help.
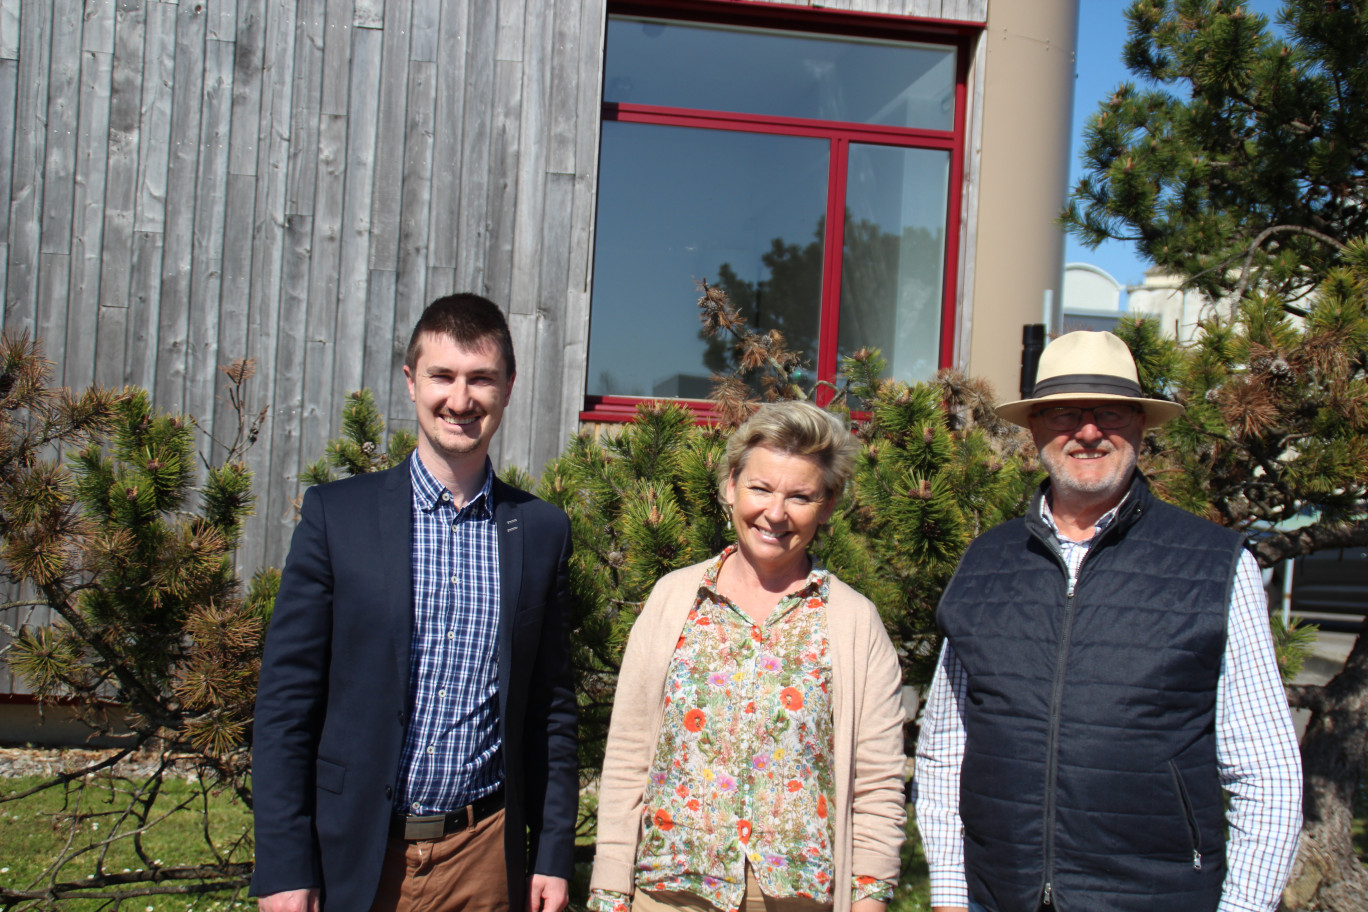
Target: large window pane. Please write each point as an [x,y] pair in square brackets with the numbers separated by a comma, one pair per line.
[894,257]
[677,205]
[784,74]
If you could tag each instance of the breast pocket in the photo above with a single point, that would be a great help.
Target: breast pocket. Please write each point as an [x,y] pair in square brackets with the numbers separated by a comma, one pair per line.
[329,776]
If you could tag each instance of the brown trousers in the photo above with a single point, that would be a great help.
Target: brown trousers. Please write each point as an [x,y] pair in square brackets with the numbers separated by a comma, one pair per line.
[461,872]
[754,901]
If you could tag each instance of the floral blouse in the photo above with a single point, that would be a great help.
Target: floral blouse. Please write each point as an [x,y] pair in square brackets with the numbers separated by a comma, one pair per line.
[743,766]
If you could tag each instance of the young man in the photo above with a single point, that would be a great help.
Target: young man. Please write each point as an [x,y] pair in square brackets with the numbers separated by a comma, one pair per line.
[414,743]
[1108,671]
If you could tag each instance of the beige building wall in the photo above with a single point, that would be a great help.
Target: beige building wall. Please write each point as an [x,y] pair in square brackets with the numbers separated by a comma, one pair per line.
[1018,175]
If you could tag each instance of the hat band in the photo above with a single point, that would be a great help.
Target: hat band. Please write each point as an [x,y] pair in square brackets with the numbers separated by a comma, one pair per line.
[1085,384]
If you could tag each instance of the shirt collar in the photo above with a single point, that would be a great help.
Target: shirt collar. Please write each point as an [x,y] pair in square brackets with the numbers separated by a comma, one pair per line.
[429,493]
[814,585]
[1103,521]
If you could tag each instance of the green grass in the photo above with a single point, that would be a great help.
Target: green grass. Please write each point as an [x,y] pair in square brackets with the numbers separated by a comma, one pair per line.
[34,831]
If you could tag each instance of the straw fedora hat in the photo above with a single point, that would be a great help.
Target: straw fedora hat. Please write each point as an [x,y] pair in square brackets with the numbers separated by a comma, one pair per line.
[1088,365]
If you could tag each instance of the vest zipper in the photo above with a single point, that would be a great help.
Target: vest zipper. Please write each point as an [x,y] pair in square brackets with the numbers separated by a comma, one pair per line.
[1052,743]
[1057,692]
[1189,816]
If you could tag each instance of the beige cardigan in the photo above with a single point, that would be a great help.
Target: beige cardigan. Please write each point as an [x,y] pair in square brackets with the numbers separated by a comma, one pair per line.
[868,718]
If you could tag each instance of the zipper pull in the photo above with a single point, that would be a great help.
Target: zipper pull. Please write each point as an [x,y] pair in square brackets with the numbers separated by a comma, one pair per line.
[1196,860]
[1047,898]
[1073,581]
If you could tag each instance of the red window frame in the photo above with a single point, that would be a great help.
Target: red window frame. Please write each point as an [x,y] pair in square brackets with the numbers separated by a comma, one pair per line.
[958,35]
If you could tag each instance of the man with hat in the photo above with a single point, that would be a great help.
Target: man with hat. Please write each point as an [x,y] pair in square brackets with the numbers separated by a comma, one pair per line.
[1108,674]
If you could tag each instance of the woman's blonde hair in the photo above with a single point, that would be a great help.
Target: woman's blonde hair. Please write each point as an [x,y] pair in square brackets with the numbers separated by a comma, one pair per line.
[798,429]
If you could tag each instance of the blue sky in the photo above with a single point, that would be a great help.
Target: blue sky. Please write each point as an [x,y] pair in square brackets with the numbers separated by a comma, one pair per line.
[1101,34]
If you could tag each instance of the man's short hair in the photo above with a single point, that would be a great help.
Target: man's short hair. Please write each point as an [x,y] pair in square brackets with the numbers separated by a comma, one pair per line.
[468,319]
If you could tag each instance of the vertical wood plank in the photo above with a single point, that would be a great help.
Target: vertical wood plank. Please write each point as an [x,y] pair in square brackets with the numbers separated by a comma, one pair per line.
[9,29]
[509,43]
[368,14]
[321,313]
[111,337]
[528,159]
[121,183]
[284,426]
[63,101]
[447,134]
[386,343]
[97,30]
[411,280]
[211,201]
[88,200]
[54,276]
[249,54]
[384,249]
[173,325]
[969,208]
[154,129]
[26,186]
[353,320]
[221,21]
[545,436]
[562,106]
[336,43]
[268,245]
[510,447]
[502,214]
[425,30]
[9,87]
[144,298]
[471,232]
[305,106]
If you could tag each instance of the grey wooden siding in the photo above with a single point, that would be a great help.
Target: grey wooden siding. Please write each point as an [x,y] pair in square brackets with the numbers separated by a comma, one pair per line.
[291,181]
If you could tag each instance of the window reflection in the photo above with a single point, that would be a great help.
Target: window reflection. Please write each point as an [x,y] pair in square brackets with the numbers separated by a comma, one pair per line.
[893,261]
[677,205]
[784,74]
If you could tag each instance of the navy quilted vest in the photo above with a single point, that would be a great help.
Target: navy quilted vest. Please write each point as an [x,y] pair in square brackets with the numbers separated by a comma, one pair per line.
[1089,779]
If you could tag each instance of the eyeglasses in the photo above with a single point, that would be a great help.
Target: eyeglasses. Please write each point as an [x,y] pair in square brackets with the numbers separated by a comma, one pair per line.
[1106,417]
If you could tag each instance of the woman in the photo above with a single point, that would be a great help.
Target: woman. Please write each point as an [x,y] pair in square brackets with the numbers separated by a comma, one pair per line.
[755,751]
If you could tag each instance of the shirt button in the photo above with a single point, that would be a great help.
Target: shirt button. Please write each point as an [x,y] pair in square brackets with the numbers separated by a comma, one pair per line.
[455,524]
[415,806]
[455,578]
[446,497]
[451,634]
[431,749]
[442,692]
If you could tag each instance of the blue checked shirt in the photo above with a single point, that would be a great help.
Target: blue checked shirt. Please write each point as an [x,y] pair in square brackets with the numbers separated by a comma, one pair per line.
[451,753]
[1256,754]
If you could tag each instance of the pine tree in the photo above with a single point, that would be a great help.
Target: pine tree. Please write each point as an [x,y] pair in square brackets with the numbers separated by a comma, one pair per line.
[1241,152]
[1240,162]
[1276,430]
[153,635]
[362,447]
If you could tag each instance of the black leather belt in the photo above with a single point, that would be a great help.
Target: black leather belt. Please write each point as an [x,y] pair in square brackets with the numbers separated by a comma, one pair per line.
[435,826]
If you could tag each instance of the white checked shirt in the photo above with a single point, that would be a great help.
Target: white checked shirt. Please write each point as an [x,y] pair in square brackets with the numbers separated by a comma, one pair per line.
[451,754]
[1256,754]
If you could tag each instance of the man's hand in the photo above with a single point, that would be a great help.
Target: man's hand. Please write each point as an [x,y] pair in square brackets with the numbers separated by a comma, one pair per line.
[545,893]
[290,901]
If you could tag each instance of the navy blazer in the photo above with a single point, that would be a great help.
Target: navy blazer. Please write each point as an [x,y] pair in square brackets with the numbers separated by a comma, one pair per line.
[332,704]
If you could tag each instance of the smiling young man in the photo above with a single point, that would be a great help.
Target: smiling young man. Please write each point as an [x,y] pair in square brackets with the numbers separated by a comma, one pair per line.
[1108,678]
[414,744]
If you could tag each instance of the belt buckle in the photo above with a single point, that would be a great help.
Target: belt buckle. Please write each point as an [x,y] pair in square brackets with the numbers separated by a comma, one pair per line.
[429,826]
